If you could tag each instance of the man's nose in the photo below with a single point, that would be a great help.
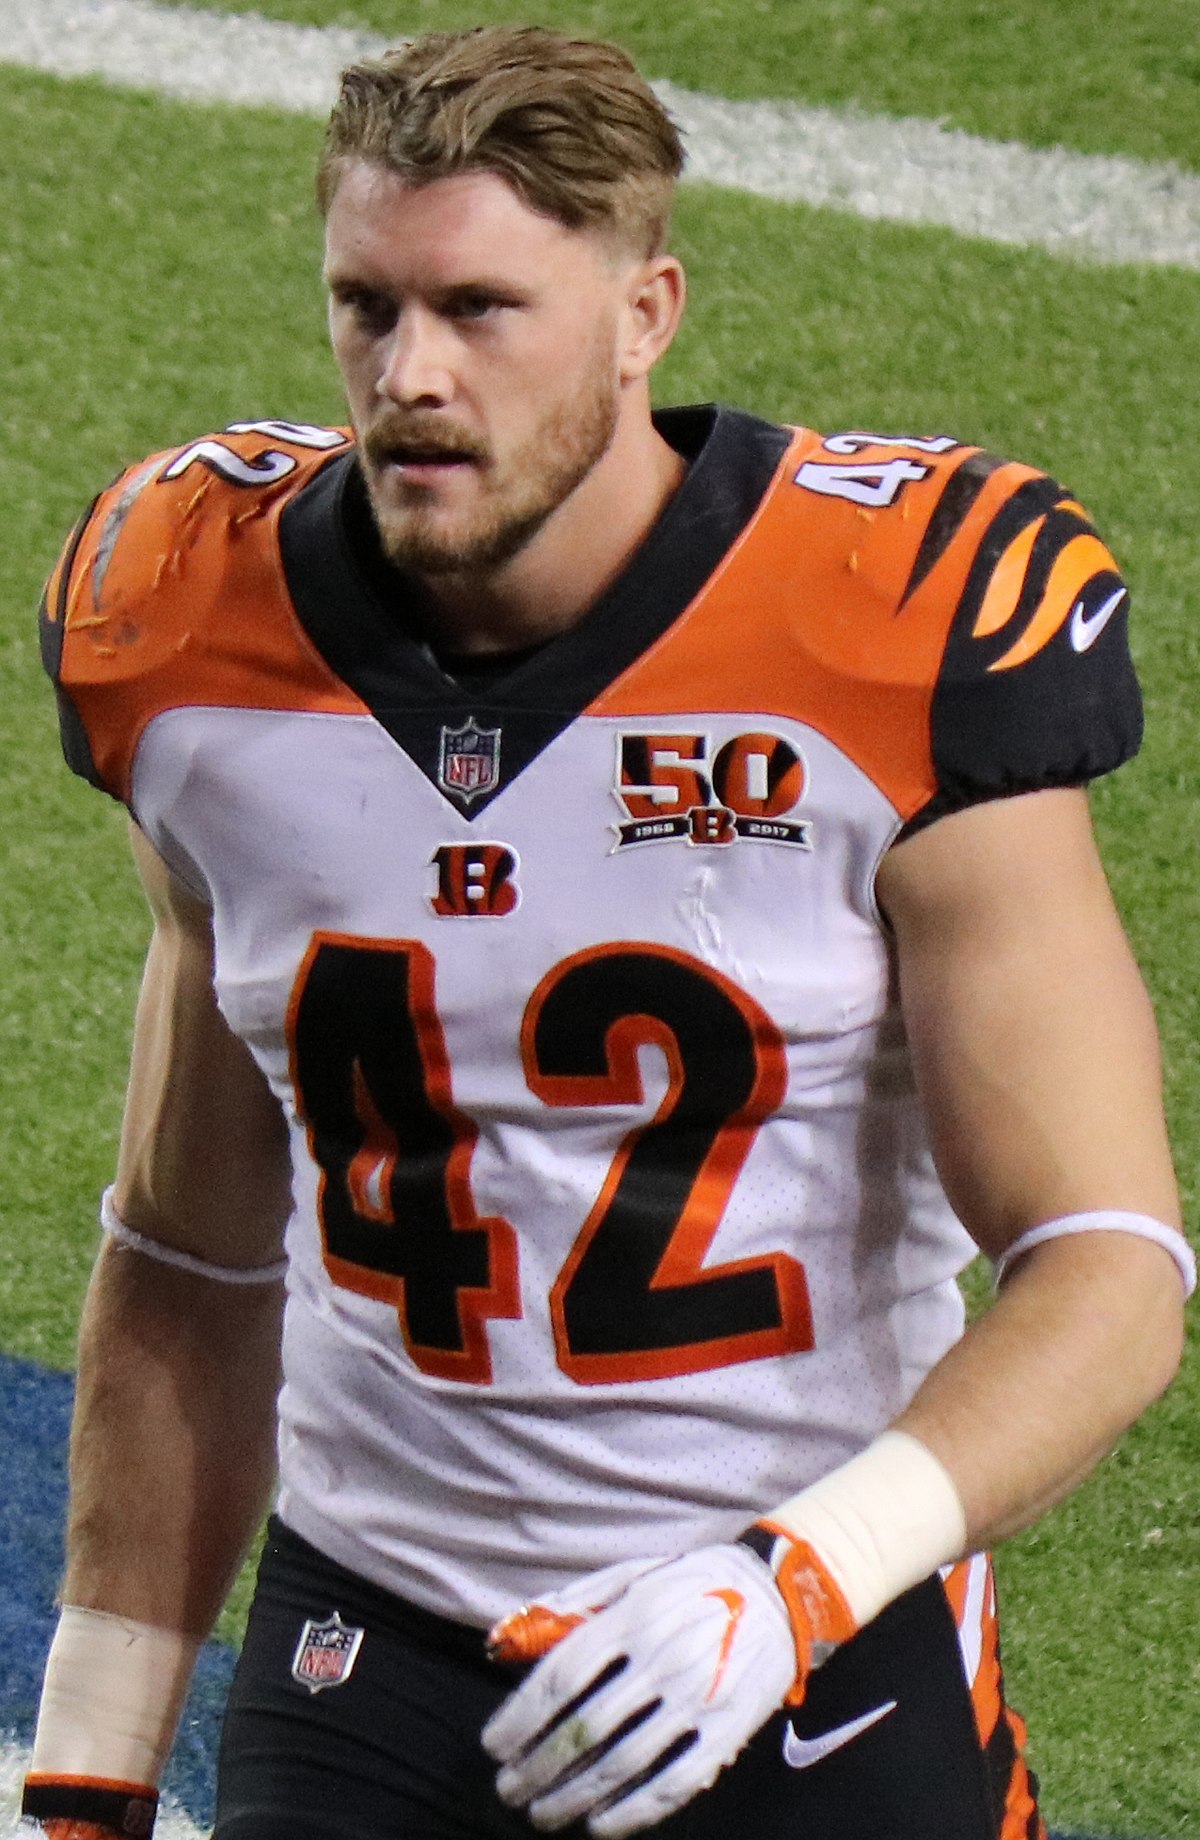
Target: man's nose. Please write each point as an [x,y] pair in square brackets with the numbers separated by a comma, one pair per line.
[417,368]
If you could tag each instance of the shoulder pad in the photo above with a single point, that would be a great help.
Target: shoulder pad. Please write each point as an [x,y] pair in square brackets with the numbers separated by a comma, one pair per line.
[1022,604]
[153,575]
[947,618]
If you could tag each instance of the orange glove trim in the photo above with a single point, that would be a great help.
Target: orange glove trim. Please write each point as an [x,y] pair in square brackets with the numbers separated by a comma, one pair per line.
[816,1608]
[529,1633]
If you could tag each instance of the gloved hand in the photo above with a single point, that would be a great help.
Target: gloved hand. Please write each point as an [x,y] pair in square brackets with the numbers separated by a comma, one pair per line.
[659,1673]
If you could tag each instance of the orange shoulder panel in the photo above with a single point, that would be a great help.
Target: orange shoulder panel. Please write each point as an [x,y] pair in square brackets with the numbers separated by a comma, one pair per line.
[807,617]
[176,596]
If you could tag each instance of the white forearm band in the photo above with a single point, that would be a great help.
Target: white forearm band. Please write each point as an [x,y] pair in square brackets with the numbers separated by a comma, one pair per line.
[1107,1220]
[881,1522]
[111,1697]
[126,1236]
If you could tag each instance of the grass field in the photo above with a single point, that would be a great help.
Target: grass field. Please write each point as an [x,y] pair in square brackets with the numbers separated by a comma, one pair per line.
[1117,76]
[157,278]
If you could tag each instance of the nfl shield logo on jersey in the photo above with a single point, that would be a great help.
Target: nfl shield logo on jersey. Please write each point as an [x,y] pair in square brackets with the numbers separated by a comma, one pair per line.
[470,760]
[326,1653]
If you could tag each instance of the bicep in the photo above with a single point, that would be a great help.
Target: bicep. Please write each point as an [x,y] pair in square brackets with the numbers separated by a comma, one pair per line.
[1032,1034]
[203,1163]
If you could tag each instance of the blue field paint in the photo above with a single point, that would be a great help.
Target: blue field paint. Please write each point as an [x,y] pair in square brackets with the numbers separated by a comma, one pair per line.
[35,1409]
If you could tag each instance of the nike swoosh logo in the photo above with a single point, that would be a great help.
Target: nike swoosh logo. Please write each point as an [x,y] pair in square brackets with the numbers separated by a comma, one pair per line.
[802,1753]
[735,1606]
[1086,628]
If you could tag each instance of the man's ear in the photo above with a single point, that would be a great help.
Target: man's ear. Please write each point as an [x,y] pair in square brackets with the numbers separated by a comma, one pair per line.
[653,309]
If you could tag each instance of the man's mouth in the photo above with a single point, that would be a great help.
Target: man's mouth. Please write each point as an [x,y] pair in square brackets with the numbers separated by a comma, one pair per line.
[422,459]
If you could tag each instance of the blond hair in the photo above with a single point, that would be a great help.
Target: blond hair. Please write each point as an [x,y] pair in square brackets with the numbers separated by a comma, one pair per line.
[570,123]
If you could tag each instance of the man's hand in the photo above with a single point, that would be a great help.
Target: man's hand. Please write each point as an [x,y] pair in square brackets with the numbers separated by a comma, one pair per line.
[660,1673]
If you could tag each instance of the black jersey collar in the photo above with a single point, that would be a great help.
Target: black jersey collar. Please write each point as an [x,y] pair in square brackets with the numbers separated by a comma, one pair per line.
[364,616]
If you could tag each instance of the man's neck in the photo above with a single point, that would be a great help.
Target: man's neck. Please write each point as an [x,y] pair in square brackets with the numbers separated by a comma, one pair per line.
[581,549]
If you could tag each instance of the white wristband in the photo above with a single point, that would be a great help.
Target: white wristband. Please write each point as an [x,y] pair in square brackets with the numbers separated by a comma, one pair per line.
[127,1236]
[881,1522]
[1107,1220]
[111,1697]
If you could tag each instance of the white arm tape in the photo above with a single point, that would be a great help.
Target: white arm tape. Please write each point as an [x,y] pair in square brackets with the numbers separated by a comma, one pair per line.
[1108,1220]
[111,1697]
[882,1522]
[124,1235]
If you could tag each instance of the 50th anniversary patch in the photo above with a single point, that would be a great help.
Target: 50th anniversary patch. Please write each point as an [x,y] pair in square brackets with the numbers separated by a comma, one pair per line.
[673,787]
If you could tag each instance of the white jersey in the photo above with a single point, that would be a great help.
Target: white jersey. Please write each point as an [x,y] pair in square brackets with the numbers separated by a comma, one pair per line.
[615,1221]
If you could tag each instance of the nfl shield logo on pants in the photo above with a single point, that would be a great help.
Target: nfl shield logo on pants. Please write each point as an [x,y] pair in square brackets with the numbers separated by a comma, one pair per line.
[325,1653]
[470,760]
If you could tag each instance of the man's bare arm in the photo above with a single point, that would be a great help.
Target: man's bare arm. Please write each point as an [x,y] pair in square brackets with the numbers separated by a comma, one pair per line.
[173,1435]
[172,1450]
[1037,1056]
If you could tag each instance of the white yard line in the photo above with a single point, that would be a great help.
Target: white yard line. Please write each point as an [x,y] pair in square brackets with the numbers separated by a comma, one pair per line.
[1099,208]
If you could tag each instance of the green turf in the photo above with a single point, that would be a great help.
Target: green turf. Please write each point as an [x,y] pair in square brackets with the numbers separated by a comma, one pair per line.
[1112,76]
[119,333]
[157,279]
[1100,1644]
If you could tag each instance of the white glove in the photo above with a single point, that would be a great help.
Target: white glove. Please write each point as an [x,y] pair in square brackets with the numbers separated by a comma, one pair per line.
[667,1668]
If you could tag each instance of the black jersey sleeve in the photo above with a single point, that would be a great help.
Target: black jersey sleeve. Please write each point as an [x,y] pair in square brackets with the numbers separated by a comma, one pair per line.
[1036,687]
[52,621]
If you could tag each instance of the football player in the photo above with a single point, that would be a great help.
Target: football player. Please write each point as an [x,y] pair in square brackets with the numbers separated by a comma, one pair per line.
[627,930]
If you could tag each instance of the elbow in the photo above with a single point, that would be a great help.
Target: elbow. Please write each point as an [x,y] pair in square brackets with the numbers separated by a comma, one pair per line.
[1169,1344]
[1125,1297]
[1161,1338]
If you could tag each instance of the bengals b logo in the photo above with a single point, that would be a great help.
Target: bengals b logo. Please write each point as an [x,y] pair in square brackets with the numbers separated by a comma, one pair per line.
[475,879]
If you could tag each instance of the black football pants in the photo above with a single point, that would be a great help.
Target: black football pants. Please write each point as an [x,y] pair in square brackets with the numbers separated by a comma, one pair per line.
[391,1751]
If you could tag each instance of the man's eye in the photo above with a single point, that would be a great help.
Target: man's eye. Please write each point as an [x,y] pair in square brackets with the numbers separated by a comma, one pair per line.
[475,306]
[370,310]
